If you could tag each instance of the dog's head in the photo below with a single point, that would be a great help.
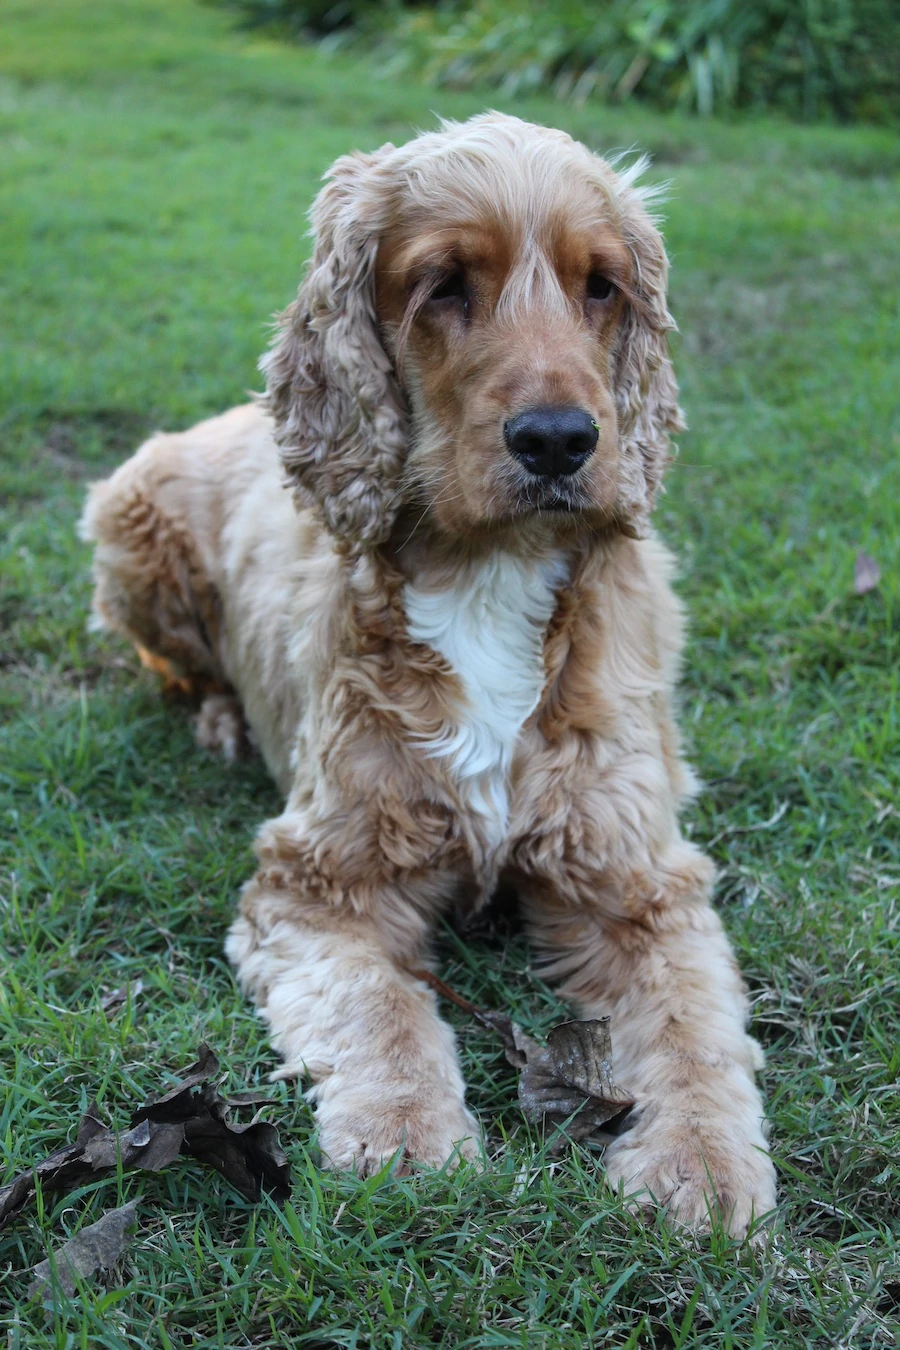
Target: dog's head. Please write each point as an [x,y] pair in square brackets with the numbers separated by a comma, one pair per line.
[481,337]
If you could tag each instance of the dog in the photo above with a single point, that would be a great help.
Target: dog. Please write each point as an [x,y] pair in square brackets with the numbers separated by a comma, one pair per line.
[421,569]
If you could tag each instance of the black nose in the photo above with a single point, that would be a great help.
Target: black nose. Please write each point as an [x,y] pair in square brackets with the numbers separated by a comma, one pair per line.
[551,441]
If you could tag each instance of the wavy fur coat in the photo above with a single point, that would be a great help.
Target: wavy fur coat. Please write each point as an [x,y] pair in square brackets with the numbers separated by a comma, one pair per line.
[421,570]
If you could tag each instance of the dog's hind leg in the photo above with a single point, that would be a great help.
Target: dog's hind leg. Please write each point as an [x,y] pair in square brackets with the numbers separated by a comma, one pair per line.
[221,727]
[152,585]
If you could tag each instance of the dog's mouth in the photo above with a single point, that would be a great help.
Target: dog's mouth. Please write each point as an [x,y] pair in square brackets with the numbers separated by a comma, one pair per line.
[552,494]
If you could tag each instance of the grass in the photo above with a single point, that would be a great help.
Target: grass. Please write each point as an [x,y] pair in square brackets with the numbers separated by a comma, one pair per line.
[154,174]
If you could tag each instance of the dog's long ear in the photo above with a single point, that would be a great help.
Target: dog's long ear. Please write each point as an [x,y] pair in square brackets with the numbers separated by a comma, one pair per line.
[646,391]
[338,411]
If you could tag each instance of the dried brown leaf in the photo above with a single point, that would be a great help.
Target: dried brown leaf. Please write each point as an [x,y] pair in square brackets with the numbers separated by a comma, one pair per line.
[191,1119]
[569,1084]
[206,1067]
[565,1085]
[97,1247]
[97,1149]
[518,1048]
[249,1156]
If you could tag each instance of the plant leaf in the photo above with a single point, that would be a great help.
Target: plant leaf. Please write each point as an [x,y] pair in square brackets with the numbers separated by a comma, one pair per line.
[190,1118]
[97,1247]
[572,1077]
[567,1084]
[114,1000]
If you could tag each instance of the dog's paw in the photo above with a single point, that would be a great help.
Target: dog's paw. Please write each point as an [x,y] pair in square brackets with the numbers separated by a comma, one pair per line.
[221,727]
[701,1175]
[362,1133]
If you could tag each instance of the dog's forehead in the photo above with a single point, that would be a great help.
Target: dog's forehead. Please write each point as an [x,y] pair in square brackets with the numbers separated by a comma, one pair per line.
[489,204]
[534,186]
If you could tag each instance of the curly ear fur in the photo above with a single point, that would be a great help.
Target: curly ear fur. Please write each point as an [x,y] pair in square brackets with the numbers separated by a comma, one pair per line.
[646,390]
[338,410]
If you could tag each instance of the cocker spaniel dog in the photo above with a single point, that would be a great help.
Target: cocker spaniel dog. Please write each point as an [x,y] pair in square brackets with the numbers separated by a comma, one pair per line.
[455,643]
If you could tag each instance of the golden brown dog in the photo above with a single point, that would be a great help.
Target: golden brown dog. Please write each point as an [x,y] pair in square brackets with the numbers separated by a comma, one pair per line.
[455,643]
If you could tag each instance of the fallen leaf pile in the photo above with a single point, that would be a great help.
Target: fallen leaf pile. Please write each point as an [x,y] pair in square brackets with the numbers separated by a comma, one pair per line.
[191,1119]
[565,1085]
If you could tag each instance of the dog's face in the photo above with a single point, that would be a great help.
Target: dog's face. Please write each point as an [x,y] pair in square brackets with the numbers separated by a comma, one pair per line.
[502,322]
[481,338]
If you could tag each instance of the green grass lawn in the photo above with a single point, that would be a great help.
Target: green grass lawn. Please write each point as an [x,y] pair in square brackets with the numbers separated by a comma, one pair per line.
[155,168]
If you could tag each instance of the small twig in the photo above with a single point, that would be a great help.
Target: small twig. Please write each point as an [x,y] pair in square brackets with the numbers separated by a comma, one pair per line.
[444,990]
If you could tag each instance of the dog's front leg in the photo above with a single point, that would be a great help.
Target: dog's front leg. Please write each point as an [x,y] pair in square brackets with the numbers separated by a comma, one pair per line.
[647,949]
[329,976]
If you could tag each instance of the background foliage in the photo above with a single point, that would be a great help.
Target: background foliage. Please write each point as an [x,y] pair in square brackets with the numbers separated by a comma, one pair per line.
[807,58]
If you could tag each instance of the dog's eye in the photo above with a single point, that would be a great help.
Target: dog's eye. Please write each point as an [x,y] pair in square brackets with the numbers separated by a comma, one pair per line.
[600,287]
[451,286]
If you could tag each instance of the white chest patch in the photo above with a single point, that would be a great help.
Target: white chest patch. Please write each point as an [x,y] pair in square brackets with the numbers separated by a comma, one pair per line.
[489,625]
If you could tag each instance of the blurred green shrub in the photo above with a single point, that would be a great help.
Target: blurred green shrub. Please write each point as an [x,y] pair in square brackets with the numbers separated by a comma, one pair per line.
[807,58]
